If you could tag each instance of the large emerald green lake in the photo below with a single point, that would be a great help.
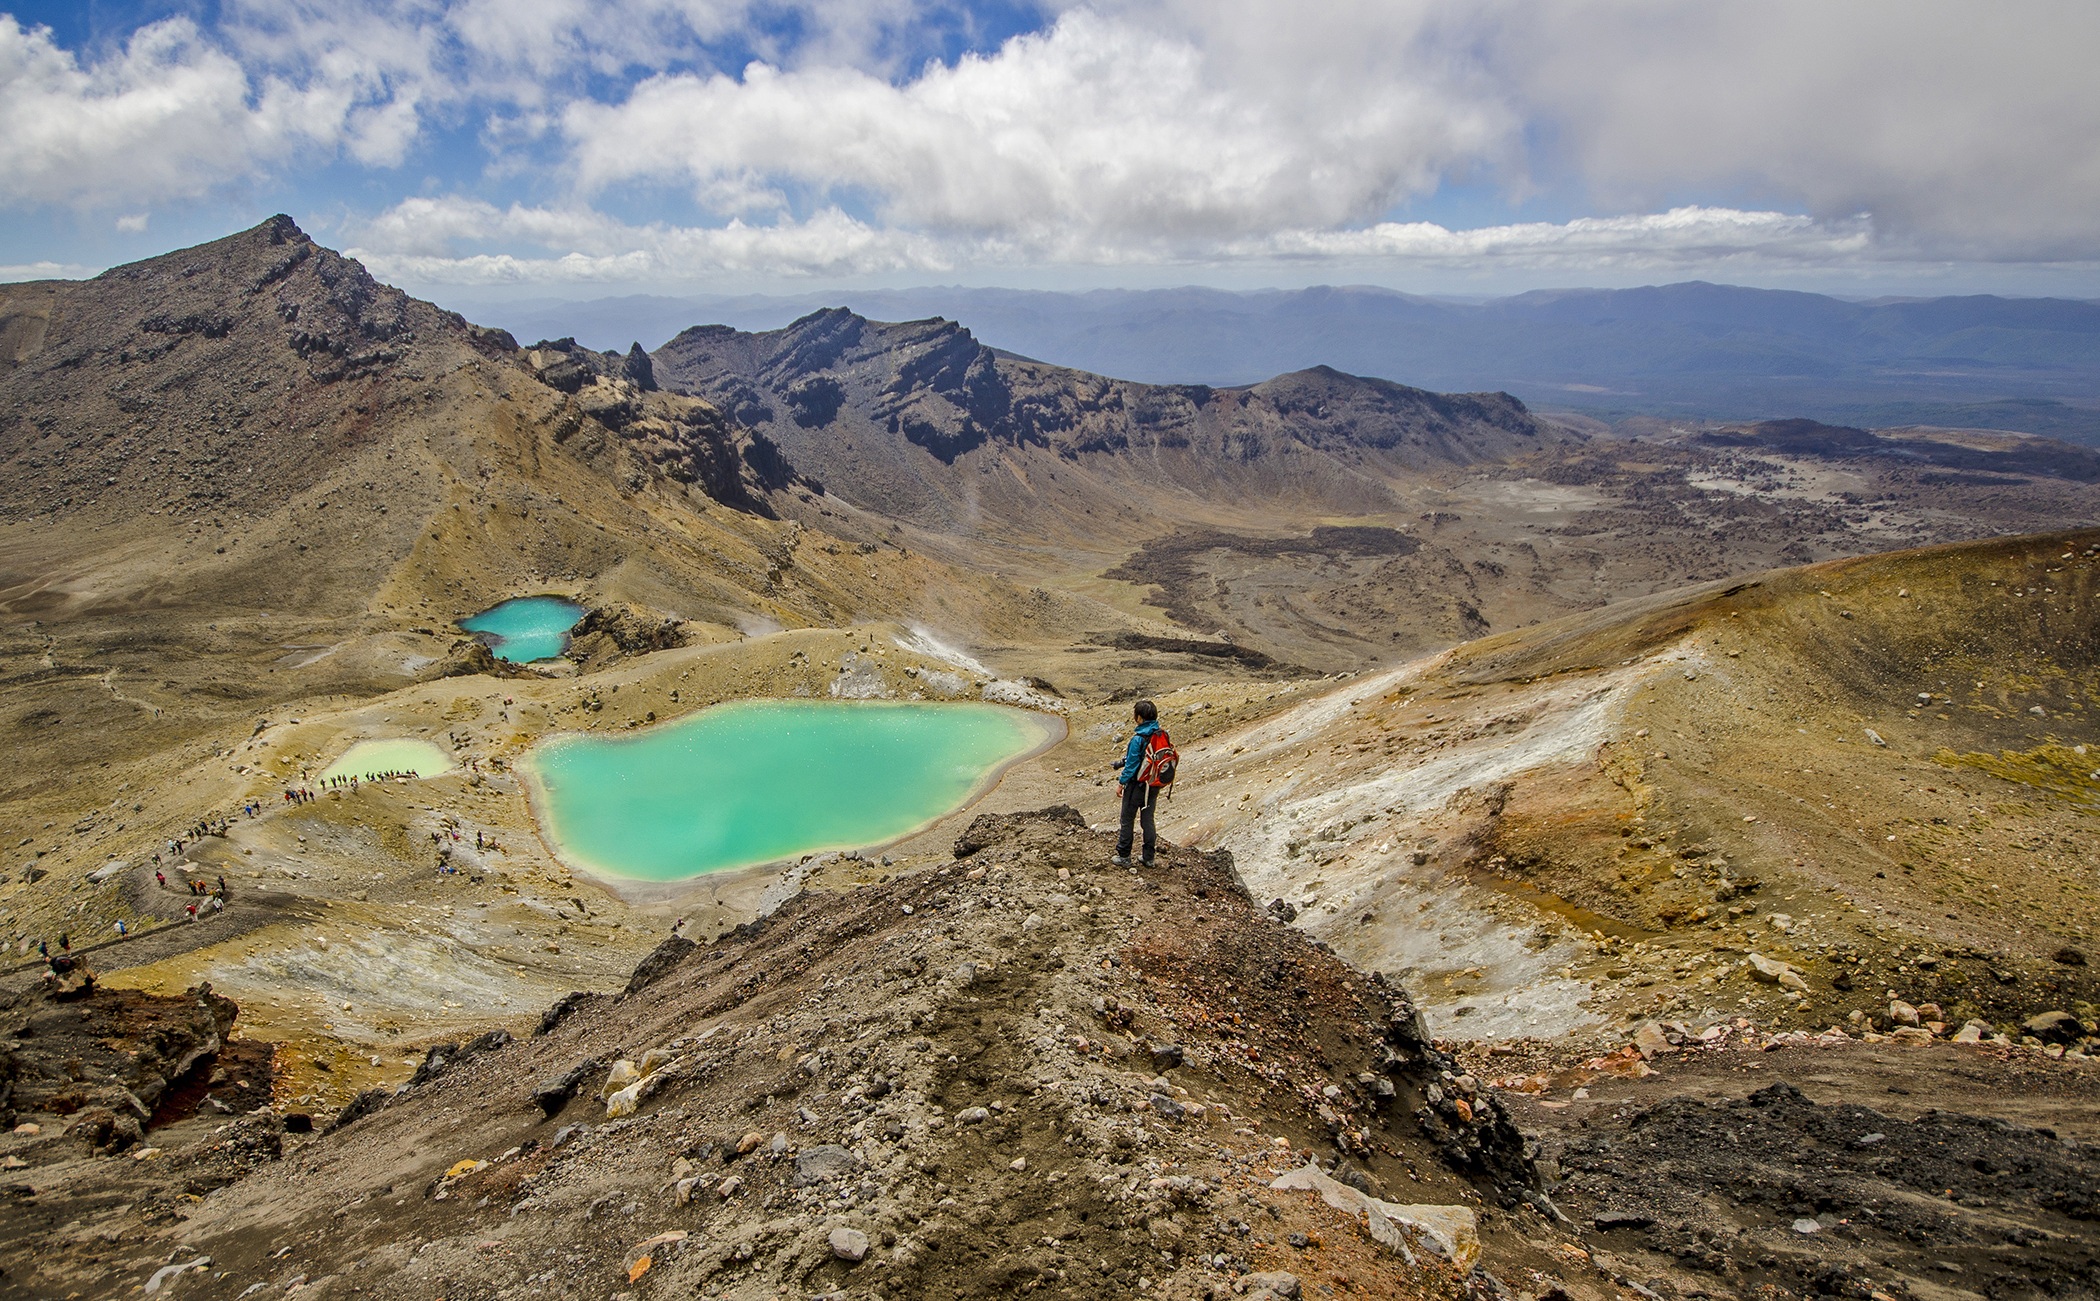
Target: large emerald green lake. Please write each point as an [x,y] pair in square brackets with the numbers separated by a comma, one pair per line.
[756,781]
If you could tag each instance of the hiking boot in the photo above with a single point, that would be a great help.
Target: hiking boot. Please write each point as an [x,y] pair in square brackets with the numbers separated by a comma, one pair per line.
[1121,860]
[1144,862]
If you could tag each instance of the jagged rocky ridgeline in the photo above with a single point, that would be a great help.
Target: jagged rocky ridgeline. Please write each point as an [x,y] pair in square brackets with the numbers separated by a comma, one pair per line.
[852,400]
[236,374]
[1026,1068]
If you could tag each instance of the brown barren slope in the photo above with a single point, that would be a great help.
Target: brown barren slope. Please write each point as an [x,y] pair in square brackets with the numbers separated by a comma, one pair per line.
[1877,770]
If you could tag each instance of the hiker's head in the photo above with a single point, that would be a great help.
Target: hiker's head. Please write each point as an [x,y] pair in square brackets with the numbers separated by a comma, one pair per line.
[1145,710]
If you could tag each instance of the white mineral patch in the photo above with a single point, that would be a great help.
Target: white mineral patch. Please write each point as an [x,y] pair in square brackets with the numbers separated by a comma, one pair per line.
[859,679]
[923,641]
[1347,844]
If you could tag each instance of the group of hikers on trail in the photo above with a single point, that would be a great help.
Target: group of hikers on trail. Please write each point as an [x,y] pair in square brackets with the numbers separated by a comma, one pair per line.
[210,898]
[61,964]
[1148,767]
[198,886]
[445,837]
[351,780]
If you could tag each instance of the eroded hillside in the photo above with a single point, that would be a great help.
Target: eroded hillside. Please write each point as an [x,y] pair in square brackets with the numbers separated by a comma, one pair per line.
[1880,772]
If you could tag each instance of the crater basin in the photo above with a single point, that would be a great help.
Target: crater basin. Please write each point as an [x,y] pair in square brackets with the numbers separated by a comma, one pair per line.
[756,781]
[527,628]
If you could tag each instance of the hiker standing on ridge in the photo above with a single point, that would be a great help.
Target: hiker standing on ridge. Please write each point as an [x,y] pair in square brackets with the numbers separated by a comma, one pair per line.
[1148,765]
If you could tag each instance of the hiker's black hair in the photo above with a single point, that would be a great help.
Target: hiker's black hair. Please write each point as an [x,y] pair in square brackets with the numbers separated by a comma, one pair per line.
[1146,711]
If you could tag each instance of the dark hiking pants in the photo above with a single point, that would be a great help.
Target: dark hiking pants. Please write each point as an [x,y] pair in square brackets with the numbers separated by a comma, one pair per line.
[1138,802]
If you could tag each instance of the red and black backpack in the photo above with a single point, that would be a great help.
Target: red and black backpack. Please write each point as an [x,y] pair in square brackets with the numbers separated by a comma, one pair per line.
[1156,767]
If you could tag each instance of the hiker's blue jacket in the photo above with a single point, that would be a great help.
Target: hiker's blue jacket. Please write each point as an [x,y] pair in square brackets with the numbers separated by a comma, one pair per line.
[1134,757]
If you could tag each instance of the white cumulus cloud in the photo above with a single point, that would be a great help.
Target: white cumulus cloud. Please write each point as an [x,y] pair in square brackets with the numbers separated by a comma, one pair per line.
[1095,132]
[175,113]
[166,116]
[1119,133]
[12,272]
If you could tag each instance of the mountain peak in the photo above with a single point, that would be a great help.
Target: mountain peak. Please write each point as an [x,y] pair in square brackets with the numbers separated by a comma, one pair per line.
[825,318]
[144,357]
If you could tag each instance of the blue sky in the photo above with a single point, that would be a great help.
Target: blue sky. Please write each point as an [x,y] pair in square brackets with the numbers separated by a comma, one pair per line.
[570,148]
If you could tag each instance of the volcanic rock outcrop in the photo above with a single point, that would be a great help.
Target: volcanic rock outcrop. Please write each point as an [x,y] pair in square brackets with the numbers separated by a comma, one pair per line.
[1027,1070]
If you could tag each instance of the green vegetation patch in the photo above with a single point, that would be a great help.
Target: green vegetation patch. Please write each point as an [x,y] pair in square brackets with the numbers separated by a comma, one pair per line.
[2069,772]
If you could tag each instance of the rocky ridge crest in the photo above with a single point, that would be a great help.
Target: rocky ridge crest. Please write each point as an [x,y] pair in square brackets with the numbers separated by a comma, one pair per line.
[899,417]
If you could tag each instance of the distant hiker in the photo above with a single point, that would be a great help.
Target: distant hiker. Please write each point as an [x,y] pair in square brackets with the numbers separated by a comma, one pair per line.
[120,928]
[65,942]
[161,877]
[1148,765]
[192,911]
[222,883]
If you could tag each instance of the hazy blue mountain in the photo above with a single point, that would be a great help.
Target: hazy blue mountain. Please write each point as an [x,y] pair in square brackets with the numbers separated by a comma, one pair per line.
[1690,350]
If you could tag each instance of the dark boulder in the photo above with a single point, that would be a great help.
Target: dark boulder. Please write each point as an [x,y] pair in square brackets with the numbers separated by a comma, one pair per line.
[662,960]
[554,1094]
[559,1010]
[2053,1027]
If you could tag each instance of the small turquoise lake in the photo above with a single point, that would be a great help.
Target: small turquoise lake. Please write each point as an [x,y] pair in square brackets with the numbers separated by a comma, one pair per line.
[528,628]
[756,781]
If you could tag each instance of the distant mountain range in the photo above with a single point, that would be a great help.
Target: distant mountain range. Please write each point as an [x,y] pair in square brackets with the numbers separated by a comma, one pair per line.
[257,424]
[861,404]
[1686,351]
